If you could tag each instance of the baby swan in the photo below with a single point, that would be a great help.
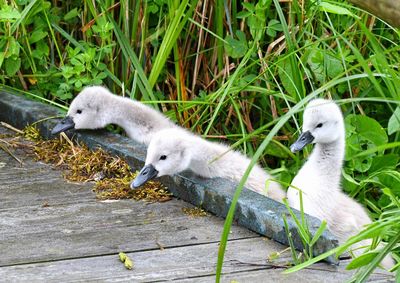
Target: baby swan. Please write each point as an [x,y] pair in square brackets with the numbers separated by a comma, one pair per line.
[172,151]
[319,178]
[96,107]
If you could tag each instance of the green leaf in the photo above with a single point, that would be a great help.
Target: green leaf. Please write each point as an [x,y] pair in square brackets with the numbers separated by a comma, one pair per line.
[2,56]
[37,35]
[334,9]
[12,65]
[7,13]
[362,260]
[367,128]
[333,65]
[249,6]
[387,161]
[243,14]
[273,26]
[315,60]
[394,122]
[13,48]
[235,48]
[71,14]
[285,74]
[42,50]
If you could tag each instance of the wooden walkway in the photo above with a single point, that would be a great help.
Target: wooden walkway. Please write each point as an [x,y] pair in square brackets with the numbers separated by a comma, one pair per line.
[55,231]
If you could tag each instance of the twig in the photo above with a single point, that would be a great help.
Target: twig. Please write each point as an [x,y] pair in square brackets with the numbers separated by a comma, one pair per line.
[5,148]
[8,126]
[161,247]
[64,136]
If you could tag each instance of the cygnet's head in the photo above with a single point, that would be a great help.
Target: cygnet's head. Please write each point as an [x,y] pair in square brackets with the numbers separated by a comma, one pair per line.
[168,154]
[87,110]
[322,123]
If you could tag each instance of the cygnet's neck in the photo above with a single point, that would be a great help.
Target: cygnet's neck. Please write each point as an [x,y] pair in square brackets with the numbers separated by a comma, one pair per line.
[328,158]
[205,157]
[212,160]
[216,160]
[139,121]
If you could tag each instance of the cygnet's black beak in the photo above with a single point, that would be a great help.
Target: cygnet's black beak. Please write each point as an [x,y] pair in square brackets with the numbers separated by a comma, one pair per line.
[304,139]
[65,124]
[147,173]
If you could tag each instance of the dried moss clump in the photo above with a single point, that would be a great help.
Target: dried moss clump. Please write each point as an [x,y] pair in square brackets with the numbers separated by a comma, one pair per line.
[118,188]
[111,173]
[31,133]
[194,212]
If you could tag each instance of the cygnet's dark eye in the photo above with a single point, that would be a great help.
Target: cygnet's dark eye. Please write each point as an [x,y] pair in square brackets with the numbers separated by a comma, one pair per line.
[163,157]
[319,125]
[79,111]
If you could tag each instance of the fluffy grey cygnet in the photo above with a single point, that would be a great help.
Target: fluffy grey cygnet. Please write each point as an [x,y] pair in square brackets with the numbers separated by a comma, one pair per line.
[96,107]
[172,151]
[320,177]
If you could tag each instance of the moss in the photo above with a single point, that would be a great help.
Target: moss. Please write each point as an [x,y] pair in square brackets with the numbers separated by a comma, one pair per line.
[194,212]
[111,174]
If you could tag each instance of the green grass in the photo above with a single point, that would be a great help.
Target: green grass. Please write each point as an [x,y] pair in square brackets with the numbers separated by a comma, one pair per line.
[239,70]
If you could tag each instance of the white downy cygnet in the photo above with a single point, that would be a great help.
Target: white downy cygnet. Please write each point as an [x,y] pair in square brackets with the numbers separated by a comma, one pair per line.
[320,177]
[96,107]
[172,151]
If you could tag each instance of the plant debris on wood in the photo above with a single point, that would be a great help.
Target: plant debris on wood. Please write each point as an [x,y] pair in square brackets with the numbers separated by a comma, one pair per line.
[194,212]
[125,260]
[112,175]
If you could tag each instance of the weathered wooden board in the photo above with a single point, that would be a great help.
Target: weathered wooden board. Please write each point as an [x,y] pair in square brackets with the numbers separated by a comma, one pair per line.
[245,261]
[33,234]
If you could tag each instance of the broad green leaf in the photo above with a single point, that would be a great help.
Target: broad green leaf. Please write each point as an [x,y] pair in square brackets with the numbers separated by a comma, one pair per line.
[12,65]
[7,13]
[37,35]
[285,75]
[368,128]
[315,60]
[243,14]
[13,48]
[249,6]
[387,161]
[333,66]
[273,27]
[391,179]
[71,14]
[334,9]
[235,48]
[394,122]
[362,260]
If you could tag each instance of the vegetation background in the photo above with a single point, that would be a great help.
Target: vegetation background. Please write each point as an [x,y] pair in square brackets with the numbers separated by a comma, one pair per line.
[235,71]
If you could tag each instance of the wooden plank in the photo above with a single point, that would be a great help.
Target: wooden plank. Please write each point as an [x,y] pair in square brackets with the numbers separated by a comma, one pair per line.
[32,234]
[168,264]
[51,192]
[245,261]
[35,184]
